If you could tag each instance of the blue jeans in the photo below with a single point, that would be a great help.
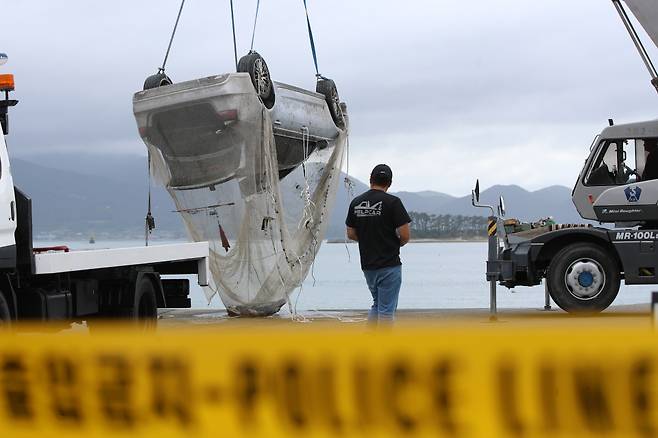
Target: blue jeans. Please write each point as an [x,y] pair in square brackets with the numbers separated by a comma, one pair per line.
[384,285]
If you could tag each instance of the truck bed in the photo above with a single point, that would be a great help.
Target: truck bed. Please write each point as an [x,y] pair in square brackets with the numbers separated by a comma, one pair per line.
[84,260]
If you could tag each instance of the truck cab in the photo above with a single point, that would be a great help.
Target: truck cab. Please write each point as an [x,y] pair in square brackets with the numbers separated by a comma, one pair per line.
[619,181]
[7,197]
[7,209]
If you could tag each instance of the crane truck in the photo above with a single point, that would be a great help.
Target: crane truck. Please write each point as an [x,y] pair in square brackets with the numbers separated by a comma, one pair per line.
[56,284]
[583,265]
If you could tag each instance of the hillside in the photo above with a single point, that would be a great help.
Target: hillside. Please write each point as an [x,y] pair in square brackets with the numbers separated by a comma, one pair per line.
[84,194]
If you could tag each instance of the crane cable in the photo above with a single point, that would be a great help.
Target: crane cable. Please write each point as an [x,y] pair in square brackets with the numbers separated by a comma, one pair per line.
[253,32]
[235,45]
[171,39]
[310,37]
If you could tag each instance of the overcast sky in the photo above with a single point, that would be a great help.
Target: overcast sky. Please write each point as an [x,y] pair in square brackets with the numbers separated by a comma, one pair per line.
[508,91]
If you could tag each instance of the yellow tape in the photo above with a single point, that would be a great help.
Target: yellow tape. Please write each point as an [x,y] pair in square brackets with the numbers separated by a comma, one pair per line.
[326,383]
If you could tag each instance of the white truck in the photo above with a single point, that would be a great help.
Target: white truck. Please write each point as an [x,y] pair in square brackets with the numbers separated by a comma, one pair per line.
[583,265]
[57,284]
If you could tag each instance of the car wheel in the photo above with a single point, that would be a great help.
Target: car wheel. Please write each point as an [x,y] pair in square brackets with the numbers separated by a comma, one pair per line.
[5,315]
[583,278]
[255,65]
[327,87]
[157,80]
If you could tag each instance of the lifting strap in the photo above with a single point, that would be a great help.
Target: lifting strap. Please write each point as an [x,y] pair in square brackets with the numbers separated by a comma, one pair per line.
[171,40]
[310,36]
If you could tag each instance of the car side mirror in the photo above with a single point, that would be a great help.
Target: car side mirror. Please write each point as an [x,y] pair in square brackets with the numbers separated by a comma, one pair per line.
[501,206]
[476,192]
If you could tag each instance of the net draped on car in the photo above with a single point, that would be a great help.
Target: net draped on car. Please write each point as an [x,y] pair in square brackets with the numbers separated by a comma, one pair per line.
[256,183]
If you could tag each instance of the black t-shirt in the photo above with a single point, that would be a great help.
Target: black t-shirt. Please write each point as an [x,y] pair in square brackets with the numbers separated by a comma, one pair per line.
[376,215]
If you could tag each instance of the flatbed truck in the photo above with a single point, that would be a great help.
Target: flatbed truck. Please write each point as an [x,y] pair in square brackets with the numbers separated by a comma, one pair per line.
[54,283]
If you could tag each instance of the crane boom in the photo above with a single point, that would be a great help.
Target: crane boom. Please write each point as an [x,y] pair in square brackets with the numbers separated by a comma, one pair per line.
[646,11]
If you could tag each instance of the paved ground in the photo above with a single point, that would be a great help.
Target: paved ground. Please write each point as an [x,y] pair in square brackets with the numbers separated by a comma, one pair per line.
[637,316]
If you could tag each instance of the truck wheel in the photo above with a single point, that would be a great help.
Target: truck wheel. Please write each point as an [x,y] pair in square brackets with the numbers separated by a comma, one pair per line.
[5,316]
[327,87]
[583,278]
[145,310]
[255,65]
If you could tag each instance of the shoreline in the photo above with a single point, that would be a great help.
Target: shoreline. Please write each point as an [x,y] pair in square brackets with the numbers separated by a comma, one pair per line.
[427,240]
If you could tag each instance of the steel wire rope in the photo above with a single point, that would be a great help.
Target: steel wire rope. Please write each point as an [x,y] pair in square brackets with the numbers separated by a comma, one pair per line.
[253,31]
[235,44]
[171,39]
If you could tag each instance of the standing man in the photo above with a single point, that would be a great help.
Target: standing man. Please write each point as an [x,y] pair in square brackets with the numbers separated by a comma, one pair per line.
[380,223]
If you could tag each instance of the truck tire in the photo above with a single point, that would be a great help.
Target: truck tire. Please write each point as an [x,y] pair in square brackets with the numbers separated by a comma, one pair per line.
[145,310]
[327,87]
[255,65]
[5,315]
[583,278]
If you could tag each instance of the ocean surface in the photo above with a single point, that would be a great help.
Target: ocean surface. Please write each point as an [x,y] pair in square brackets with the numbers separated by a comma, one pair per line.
[441,275]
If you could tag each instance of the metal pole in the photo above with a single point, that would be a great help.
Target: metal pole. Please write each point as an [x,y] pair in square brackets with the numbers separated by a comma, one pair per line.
[492,258]
[654,309]
[547,302]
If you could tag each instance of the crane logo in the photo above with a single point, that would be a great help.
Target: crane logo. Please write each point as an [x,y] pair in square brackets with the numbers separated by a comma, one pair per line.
[633,193]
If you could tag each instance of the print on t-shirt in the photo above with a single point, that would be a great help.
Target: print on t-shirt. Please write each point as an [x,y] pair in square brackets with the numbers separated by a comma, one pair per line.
[364,209]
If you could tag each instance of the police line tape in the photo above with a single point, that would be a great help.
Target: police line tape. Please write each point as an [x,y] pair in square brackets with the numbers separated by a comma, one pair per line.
[339,382]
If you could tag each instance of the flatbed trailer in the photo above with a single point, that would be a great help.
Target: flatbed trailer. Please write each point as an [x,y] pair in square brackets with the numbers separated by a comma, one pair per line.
[87,285]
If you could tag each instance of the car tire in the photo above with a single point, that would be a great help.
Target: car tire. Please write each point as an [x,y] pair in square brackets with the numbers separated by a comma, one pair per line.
[157,80]
[583,278]
[5,315]
[327,87]
[255,65]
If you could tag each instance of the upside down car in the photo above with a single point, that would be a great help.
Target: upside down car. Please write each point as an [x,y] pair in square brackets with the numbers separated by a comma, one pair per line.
[201,127]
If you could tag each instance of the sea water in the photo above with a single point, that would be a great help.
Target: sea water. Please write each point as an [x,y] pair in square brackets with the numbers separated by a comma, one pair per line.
[437,275]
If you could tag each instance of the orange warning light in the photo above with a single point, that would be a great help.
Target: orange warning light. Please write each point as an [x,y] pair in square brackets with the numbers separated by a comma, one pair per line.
[6,82]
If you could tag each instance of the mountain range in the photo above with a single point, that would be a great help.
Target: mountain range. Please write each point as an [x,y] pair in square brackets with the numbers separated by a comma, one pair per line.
[78,195]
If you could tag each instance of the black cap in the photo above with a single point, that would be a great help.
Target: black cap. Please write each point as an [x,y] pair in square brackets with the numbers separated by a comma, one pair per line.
[383,171]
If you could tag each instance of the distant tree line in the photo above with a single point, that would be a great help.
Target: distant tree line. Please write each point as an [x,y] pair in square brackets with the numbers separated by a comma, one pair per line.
[447,226]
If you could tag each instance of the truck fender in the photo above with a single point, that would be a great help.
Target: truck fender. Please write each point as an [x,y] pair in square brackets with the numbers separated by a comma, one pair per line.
[154,277]
[546,246]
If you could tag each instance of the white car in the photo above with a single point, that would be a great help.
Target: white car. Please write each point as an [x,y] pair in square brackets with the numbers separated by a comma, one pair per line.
[202,126]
